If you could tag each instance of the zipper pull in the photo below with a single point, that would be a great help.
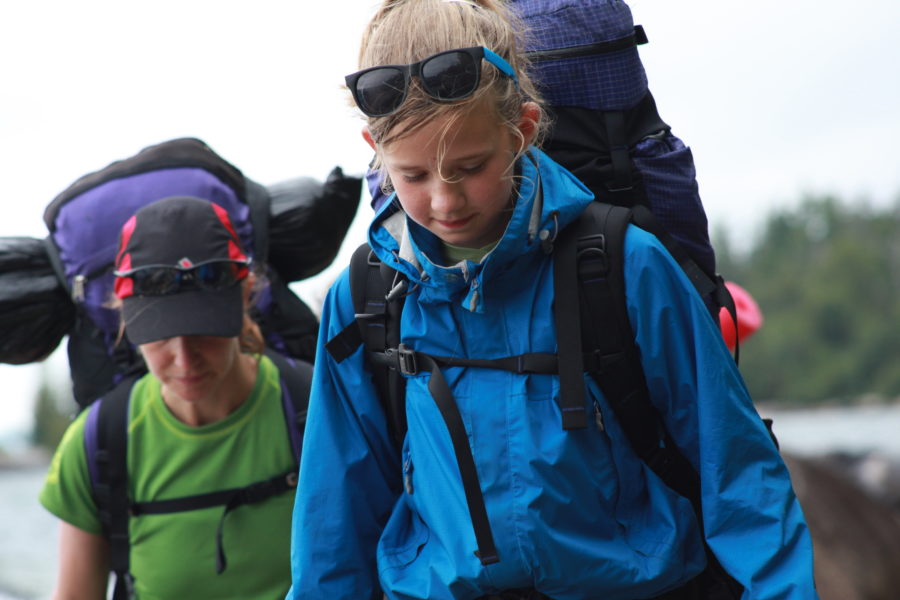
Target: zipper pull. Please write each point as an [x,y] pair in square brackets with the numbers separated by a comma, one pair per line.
[78,288]
[407,475]
[598,418]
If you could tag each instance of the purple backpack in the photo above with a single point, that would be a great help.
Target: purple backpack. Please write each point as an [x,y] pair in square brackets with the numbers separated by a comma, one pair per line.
[294,228]
[606,128]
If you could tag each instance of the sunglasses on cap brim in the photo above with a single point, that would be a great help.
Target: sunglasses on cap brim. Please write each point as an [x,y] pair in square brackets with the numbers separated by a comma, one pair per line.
[162,280]
[445,76]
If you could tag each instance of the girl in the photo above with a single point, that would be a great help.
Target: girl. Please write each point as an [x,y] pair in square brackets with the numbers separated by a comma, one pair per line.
[206,419]
[498,500]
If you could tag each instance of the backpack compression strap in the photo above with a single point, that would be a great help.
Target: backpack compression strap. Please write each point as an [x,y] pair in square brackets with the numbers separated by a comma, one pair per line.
[613,360]
[376,327]
[106,446]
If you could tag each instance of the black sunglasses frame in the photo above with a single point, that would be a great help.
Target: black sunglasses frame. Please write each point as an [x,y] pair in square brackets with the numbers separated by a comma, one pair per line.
[186,277]
[475,53]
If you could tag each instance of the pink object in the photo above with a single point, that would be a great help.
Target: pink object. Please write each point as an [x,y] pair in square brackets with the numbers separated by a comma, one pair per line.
[749,317]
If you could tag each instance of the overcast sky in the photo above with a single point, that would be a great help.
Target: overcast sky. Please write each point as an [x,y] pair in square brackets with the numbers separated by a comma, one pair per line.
[776,98]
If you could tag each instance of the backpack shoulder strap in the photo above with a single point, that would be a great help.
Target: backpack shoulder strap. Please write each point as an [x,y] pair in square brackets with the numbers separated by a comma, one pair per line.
[296,379]
[611,356]
[612,359]
[377,304]
[106,445]
[351,337]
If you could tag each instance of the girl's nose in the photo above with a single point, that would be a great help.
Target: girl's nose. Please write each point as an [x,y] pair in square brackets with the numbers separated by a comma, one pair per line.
[447,197]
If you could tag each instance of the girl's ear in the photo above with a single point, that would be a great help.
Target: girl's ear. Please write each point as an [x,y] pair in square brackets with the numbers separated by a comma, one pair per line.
[368,137]
[529,122]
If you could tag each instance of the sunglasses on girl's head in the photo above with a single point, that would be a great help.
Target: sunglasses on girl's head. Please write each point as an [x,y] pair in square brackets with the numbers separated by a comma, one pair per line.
[161,280]
[450,75]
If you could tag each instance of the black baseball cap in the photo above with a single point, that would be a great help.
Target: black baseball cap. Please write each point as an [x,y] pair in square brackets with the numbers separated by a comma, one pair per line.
[168,249]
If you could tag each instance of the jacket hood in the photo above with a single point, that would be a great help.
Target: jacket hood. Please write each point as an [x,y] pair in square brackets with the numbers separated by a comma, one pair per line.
[549,198]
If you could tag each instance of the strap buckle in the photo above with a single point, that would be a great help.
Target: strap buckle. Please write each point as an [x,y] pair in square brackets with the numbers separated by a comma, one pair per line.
[406,360]
[593,261]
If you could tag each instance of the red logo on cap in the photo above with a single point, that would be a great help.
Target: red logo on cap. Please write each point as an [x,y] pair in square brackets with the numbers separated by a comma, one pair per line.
[185,263]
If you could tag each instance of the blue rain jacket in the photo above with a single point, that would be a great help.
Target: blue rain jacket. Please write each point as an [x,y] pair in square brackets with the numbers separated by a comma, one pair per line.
[574,514]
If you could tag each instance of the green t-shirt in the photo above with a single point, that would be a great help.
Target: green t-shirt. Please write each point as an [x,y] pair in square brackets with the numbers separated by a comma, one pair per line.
[455,254]
[173,555]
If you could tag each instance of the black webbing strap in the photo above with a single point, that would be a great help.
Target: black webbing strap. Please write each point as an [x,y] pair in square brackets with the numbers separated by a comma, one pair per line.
[365,279]
[111,493]
[56,262]
[407,361]
[234,497]
[636,38]
[614,363]
[231,499]
[619,155]
[296,381]
[568,330]
[258,201]
[606,336]
[393,385]
[345,342]
[440,391]
[376,327]
[724,299]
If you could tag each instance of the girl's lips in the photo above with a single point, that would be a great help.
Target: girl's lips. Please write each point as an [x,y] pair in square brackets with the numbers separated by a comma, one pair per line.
[455,224]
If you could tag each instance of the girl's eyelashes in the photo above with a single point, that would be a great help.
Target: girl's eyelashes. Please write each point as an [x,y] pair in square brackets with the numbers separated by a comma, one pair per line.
[413,177]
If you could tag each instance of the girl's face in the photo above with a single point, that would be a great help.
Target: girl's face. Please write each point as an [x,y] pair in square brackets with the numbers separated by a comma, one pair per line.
[466,198]
[192,368]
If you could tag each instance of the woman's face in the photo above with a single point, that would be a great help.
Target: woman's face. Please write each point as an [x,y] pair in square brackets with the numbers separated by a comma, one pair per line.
[464,197]
[192,368]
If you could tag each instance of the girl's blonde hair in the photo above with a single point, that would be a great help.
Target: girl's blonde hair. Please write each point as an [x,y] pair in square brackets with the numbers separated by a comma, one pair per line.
[407,31]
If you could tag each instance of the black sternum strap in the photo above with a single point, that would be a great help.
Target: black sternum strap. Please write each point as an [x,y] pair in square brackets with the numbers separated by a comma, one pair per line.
[409,362]
[440,391]
[231,499]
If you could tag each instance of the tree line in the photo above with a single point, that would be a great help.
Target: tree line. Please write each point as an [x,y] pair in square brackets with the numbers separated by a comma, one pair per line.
[826,275]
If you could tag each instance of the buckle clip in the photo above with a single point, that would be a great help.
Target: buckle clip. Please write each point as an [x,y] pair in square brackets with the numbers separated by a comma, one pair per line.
[406,360]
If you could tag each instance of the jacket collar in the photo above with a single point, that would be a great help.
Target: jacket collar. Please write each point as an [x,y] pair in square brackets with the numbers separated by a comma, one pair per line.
[549,198]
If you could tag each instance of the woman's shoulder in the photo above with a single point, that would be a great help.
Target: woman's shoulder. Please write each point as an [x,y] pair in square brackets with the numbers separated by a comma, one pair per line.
[67,490]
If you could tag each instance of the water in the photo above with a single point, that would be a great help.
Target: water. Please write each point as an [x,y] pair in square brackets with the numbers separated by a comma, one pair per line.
[28,552]
[28,533]
[860,430]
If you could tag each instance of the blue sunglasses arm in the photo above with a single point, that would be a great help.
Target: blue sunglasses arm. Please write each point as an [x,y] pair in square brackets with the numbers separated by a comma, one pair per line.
[498,61]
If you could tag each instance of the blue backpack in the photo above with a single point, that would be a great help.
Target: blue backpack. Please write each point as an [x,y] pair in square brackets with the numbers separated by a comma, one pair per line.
[294,229]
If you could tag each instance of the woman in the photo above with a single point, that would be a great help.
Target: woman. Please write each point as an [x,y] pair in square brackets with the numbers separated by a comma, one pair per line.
[204,424]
